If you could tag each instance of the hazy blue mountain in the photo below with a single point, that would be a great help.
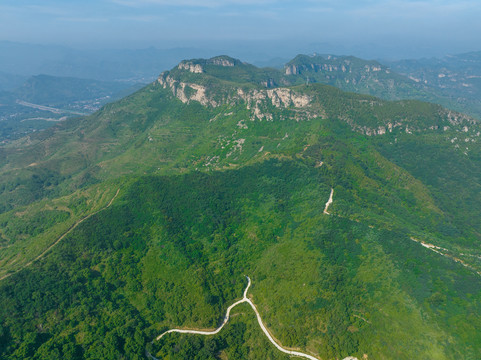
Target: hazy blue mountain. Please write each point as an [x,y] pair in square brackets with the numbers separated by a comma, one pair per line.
[139,65]
[457,77]
[10,81]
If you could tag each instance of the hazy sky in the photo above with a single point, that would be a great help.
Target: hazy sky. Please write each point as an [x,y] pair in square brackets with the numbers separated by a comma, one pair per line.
[420,27]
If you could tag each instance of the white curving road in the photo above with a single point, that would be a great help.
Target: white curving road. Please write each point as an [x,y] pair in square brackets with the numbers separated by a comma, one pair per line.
[329,202]
[226,318]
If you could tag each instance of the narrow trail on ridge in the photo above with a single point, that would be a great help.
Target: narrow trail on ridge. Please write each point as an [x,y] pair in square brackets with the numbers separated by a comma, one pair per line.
[70,229]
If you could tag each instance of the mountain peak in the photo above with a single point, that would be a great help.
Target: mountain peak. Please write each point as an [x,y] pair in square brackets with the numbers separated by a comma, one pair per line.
[198,65]
[224,60]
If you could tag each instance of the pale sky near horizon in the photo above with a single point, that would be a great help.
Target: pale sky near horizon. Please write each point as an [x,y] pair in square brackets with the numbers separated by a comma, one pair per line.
[451,25]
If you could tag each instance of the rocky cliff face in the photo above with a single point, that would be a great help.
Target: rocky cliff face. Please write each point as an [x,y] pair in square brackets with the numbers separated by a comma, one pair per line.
[451,121]
[256,100]
[292,70]
[222,61]
[190,66]
[186,92]
[342,66]
[280,98]
[269,83]
[197,66]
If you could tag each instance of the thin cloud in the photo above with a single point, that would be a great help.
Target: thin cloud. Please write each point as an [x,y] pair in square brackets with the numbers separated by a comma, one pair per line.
[195,3]
[416,8]
[319,9]
[47,10]
[141,18]
[84,19]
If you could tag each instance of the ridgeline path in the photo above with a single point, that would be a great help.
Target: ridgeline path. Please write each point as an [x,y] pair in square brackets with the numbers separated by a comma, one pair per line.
[61,237]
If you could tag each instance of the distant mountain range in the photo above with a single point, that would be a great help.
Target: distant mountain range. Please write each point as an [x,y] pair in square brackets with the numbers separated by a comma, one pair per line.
[451,81]
[457,77]
[10,81]
[133,66]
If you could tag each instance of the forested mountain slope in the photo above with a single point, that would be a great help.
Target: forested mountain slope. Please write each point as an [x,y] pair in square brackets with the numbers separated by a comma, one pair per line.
[147,215]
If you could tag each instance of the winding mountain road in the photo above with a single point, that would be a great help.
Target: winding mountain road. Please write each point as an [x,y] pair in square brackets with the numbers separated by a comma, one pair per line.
[226,318]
